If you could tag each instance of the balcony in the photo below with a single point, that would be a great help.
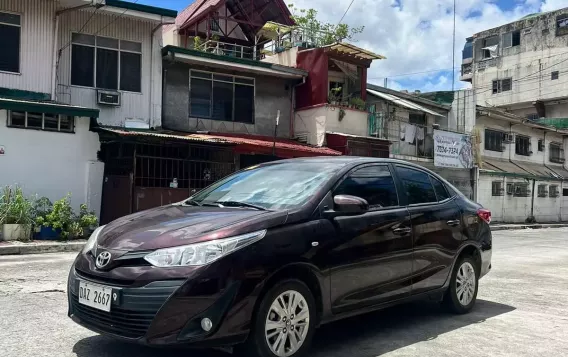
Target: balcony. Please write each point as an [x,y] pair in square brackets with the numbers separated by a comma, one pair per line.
[231,50]
[407,139]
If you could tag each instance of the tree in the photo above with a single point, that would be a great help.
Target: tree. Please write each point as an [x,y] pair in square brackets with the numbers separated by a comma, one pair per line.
[326,33]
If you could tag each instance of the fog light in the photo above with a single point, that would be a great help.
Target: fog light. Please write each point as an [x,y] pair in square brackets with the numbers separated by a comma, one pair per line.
[206,324]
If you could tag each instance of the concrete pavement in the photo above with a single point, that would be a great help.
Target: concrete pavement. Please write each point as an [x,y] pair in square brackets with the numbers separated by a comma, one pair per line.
[522,310]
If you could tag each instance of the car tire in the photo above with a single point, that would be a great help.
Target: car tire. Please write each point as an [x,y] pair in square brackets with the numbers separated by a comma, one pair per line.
[464,283]
[261,335]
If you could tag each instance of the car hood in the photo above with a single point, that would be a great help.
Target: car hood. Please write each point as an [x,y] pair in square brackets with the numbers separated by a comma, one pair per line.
[176,225]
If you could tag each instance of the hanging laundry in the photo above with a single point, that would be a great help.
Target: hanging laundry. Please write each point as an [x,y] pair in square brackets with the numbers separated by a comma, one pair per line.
[410,133]
[419,133]
[402,131]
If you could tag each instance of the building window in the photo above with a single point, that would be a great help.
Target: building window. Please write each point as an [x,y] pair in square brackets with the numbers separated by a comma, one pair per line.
[221,97]
[556,153]
[490,45]
[41,121]
[106,63]
[510,188]
[10,32]
[553,191]
[532,116]
[502,85]
[512,39]
[521,189]
[494,140]
[417,118]
[542,190]
[522,145]
[554,75]
[497,188]
[562,25]
[565,192]
[214,22]
[540,145]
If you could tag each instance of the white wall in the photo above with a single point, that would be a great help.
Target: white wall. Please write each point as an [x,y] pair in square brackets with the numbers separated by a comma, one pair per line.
[52,164]
[36,38]
[135,106]
[313,123]
[463,113]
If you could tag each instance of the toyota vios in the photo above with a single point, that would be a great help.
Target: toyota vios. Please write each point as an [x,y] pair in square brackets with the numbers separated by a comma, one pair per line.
[263,257]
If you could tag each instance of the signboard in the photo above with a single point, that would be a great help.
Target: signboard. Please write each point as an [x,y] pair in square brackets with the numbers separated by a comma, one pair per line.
[452,150]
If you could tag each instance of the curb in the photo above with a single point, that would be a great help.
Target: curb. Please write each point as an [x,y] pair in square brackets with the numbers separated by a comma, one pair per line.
[41,248]
[527,226]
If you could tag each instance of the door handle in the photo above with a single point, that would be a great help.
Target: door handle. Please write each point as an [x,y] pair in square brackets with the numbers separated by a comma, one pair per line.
[454,223]
[401,231]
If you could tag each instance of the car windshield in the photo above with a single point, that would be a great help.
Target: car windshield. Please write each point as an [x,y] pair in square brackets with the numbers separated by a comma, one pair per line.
[272,187]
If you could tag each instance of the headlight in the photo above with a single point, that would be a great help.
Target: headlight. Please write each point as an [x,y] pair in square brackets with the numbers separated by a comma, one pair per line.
[201,253]
[92,240]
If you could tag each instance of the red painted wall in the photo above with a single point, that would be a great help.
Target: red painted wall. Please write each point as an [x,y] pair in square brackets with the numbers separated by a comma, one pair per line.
[315,90]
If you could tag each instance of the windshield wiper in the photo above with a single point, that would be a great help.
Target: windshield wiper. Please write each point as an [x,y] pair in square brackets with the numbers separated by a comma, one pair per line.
[191,203]
[240,204]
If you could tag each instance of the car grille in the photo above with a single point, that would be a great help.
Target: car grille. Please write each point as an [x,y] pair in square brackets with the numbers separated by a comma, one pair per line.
[133,317]
[121,322]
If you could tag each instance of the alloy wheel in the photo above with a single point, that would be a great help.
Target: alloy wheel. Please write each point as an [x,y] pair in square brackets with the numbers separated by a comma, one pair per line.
[287,323]
[465,284]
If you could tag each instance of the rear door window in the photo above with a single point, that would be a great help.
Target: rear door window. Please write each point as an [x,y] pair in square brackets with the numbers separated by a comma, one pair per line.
[416,185]
[440,189]
[372,183]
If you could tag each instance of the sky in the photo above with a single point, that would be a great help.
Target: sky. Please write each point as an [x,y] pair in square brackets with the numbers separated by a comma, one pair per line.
[416,36]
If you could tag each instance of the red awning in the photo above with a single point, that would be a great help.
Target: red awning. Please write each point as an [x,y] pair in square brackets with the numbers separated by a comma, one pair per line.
[264,145]
[243,143]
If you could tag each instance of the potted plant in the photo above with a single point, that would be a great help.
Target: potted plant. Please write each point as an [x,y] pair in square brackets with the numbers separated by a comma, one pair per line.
[57,221]
[358,103]
[41,207]
[83,223]
[15,214]
[334,95]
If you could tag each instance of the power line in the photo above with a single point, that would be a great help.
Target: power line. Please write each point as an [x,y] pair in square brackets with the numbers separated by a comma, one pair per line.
[113,20]
[346,11]
[454,50]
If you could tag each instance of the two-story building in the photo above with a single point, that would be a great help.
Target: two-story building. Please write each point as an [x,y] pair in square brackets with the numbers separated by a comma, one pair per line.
[68,68]
[516,74]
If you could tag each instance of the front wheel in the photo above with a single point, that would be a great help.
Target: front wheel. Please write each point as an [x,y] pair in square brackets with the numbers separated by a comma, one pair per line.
[284,323]
[462,292]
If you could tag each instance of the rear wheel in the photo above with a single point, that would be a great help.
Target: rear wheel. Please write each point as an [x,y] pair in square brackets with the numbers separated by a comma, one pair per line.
[284,323]
[462,292]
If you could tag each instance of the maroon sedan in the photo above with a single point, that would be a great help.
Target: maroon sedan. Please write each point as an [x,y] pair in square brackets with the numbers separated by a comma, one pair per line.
[263,257]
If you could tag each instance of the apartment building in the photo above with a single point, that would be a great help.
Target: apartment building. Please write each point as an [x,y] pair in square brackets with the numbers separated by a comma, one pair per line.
[517,72]
[68,68]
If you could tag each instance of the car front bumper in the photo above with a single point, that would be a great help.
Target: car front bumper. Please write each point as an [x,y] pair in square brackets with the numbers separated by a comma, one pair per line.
[167,312]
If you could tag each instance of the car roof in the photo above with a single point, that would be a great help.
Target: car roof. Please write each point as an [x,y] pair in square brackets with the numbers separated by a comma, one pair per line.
[348,161]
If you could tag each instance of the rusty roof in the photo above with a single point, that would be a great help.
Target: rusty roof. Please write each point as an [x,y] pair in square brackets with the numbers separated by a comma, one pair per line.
[352,50]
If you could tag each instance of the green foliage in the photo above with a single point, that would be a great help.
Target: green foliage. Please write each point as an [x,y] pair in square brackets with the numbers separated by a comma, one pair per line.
[83,221]
[60,217]
[334,94]
[358,103]
[15,208]
[197,43]
[329,33]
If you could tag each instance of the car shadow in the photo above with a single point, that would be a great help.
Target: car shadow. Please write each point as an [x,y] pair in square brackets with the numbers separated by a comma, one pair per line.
[366,335]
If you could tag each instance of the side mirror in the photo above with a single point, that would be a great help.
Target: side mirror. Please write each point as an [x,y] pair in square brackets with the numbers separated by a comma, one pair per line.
[350,205]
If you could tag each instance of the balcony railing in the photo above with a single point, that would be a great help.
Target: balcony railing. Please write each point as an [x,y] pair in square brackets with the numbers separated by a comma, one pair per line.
[407,139]
[231,50]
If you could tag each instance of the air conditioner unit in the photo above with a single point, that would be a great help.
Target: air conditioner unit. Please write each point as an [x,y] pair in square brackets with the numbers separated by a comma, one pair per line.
[508,138]
[108,98]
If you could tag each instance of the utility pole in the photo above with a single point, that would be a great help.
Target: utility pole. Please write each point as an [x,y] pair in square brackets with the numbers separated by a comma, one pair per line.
[275,133]
[454,51]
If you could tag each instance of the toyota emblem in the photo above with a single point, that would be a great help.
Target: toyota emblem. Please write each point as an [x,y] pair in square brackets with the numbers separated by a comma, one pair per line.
[102,260]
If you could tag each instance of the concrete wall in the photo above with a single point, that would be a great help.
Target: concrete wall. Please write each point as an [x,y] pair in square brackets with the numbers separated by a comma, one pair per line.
[463,113]
[529,65]
[144,107]
[36,45]
[312,124]
[272,94]
[511,209]
[52,164]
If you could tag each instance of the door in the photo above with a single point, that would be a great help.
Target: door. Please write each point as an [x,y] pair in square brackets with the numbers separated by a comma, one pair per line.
[116,200]
[436,224]
[372,260]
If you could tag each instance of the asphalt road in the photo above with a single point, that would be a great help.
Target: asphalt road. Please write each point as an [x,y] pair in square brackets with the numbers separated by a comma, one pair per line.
[522,310]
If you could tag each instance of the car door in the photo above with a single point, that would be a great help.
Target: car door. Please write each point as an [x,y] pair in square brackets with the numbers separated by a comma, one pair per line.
[372,260]
[436,224]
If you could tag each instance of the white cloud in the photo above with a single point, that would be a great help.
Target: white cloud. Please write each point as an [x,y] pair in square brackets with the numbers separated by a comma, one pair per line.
[549,5]
[416,35]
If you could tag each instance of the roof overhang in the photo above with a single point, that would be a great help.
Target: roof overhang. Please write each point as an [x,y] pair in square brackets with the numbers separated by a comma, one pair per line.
[348,52]
[231,63]
[139,10]
[47,107]
[402,102]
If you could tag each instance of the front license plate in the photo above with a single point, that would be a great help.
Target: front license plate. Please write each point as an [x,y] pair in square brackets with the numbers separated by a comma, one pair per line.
[95,296]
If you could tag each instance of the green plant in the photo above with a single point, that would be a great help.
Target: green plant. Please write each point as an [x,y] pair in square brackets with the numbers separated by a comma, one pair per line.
[83,221]
[197,43]
[334,94]
[60,217]
[358,103]
[15,208]
[40,207]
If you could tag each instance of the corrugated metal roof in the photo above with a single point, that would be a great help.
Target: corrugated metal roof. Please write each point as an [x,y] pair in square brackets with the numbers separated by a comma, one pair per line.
[403,102]
[352,50]
[231,139]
